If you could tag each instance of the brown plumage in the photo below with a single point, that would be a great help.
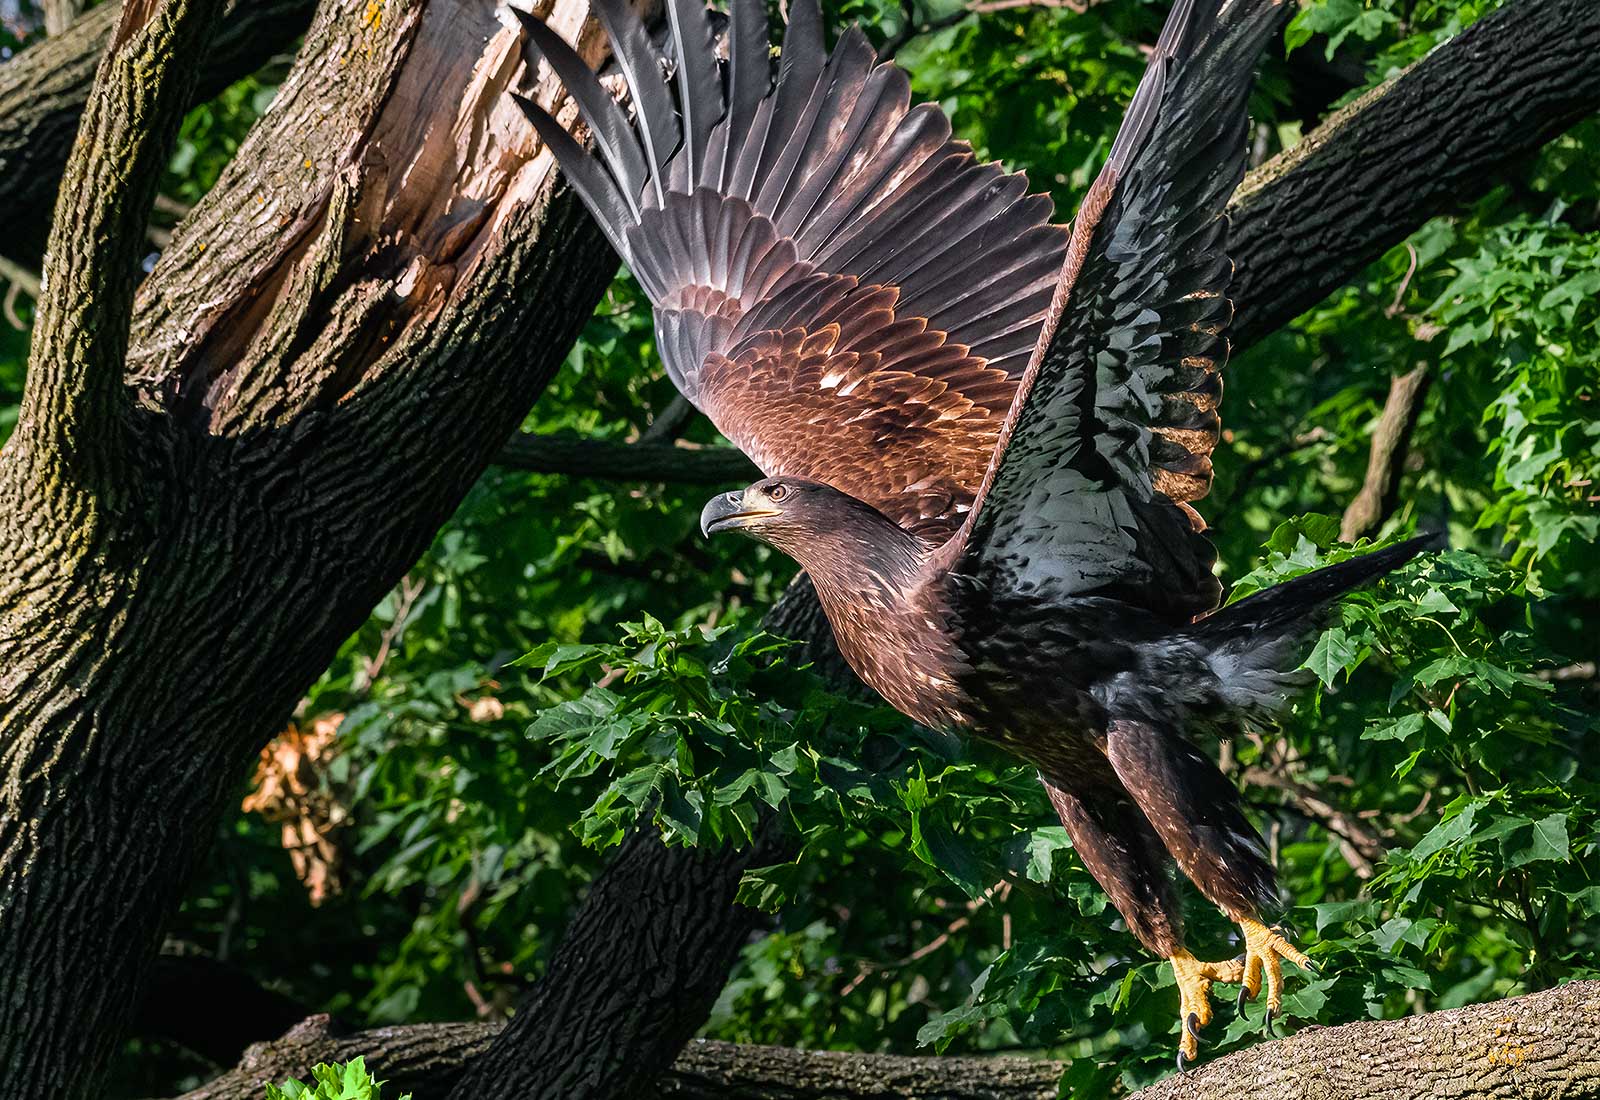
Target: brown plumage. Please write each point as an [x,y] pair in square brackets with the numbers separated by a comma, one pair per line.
[984,436]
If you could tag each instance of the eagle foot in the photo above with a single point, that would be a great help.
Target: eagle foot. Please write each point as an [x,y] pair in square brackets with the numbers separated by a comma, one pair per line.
[1264,950]
[1195,979]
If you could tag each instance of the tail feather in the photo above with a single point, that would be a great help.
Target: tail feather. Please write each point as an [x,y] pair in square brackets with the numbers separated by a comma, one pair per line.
[1254,647]
[1298,602]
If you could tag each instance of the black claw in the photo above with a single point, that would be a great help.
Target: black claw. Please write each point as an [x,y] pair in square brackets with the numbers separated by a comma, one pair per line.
[1311,965]
[1239,1006]
[1183,1064]
[1267,1030]
[1192,1026]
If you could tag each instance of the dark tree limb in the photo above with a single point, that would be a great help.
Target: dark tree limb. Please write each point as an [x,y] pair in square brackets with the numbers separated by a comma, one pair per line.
[578,457]
[212,1008]
[1439,134]
[44,88]
[663,956]
[1543,1045]
[81,335]
[1391,443]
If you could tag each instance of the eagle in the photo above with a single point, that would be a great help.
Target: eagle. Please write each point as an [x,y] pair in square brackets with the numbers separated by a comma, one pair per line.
[983,434]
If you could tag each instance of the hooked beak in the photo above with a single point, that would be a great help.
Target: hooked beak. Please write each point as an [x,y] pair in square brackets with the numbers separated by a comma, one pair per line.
[726,511]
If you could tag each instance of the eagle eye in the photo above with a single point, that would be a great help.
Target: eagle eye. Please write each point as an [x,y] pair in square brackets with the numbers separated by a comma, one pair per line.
[777,492]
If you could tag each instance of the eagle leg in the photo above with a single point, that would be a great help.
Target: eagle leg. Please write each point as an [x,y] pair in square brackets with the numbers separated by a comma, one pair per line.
[1195,979]
[1264,948]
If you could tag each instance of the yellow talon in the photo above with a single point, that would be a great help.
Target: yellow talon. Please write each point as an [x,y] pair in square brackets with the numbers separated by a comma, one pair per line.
[1195,979]
[1263,948]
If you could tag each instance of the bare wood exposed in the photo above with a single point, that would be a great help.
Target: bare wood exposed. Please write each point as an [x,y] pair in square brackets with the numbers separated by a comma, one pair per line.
[278,504]
[1544,1045]
[325,360]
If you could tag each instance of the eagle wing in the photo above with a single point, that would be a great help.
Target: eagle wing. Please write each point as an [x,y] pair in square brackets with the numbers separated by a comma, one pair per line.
[1091,486]
[841,287]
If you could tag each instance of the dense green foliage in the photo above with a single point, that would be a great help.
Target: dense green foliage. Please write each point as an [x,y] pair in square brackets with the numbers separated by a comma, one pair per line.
[1431,802]
[346,1082]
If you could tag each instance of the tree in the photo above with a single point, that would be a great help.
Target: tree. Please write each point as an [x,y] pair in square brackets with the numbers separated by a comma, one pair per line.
[238,483]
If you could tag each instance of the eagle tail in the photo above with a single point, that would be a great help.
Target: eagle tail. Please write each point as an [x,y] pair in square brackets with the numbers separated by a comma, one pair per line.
[740,177]
[1255,645]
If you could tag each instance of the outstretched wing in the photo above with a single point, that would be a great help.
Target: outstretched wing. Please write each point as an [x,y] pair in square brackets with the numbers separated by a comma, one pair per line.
[1091,486]
[840,286]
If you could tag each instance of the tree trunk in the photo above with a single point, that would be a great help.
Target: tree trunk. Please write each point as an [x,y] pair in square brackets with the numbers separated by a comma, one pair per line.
[1544,1045]
[334,346]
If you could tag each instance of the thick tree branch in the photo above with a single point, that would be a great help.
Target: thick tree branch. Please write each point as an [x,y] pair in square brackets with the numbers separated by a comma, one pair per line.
[73,405]
[43,91]
[210,1007]
[324,361]
[1440,133]
[670,934]
[1544,1044]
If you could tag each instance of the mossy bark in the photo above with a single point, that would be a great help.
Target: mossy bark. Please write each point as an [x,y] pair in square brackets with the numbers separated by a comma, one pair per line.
[191,523]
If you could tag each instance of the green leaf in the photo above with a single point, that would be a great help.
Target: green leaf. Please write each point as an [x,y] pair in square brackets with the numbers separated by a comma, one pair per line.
[1334,652]
[1547,840]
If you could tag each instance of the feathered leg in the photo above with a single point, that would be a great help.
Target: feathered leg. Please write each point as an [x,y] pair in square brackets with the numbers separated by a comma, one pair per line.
[1199,818]
[1127,858]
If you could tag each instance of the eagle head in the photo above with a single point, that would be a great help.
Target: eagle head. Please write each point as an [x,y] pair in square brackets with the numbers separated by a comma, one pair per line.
[776,510]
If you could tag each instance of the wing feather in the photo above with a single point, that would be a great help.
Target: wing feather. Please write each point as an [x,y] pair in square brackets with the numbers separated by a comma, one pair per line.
[1109,441]
[821,256]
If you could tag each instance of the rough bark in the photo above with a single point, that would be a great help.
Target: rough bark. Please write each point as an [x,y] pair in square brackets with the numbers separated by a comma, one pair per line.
[630,990]
[1544,1045]
[44,88]
[73,518]
[1442,132]
[327,357]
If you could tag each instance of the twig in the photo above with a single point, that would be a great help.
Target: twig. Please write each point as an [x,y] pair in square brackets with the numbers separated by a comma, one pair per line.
[20,276]
[1582,670]
[998,892]
[410,590]
[670,424]
[1400,291]
[1078,6]
[642,461]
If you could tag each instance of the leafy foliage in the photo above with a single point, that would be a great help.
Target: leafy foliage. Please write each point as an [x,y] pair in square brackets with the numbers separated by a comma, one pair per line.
[350,1081]
[1431,802]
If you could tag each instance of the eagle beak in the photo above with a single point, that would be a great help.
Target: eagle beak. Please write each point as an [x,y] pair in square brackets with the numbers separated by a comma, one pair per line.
[727,511]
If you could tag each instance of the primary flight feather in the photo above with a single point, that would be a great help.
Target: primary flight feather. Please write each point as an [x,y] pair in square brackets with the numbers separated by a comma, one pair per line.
[984,435]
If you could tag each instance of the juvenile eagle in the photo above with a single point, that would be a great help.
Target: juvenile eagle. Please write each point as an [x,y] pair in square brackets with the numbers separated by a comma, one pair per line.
[983,433]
